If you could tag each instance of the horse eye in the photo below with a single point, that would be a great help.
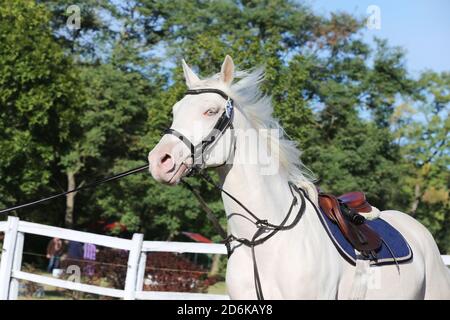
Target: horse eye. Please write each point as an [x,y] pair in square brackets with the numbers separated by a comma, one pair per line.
[210,112]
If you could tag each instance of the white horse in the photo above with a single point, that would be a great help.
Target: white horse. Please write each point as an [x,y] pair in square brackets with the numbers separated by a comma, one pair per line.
[301,263]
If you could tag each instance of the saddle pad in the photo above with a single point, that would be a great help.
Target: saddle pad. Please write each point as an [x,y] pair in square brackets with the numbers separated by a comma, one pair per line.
[392,239]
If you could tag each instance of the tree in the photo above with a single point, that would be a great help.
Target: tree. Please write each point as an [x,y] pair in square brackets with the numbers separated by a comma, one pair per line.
[79,104]
[320,81]
[113,88]
[38,100]
[422,130]
[113,114]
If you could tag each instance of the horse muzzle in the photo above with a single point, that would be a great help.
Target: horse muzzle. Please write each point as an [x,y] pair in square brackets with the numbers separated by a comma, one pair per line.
[166,165]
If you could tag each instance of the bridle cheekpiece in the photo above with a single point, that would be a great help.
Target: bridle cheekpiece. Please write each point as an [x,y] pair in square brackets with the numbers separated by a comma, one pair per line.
[222,124]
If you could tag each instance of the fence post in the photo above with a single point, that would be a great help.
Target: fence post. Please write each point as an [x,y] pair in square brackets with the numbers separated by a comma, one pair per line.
[133,264]
[8,256]
[141,271]
[16,266]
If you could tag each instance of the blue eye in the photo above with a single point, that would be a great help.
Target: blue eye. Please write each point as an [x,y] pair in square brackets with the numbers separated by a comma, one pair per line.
[210,112]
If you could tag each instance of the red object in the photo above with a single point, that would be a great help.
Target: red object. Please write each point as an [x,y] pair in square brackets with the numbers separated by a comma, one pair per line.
[113,225]
[197,237]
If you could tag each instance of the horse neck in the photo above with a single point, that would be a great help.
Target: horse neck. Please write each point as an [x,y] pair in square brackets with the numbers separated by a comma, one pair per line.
[268,196]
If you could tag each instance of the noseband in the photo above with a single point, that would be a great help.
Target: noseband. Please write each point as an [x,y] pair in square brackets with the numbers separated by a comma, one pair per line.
[222,124]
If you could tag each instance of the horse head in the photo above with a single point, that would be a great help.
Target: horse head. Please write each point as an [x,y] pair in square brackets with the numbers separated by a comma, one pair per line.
[198,136]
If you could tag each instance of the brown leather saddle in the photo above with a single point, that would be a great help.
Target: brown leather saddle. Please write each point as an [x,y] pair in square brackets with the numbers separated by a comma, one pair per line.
[343,211]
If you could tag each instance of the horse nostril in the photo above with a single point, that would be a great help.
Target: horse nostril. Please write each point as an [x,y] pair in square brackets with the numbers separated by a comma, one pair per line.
[165,158]
[166,163]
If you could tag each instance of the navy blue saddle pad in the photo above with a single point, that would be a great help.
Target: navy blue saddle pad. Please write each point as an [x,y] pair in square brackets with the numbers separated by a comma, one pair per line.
[394,245]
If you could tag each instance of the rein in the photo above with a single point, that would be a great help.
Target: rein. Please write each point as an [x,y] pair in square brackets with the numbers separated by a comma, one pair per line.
[263,226]
[87,186]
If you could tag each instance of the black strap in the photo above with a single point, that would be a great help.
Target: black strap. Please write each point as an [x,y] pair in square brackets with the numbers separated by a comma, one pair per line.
[210,215]
[87,186]
[258,221]
[182,137]
[222,124]
[263,226]
[208,90]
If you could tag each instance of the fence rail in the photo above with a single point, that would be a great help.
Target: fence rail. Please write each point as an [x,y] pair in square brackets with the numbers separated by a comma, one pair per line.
[11,261]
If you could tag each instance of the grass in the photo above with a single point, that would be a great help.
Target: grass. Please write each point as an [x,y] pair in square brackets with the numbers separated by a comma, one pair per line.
[55,293]
[218,288]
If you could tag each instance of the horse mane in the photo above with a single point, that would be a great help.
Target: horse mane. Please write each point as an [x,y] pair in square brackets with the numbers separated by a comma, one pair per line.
[259,111]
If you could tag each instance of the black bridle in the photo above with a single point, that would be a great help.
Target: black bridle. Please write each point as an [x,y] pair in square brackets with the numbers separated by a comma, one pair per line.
[222,124]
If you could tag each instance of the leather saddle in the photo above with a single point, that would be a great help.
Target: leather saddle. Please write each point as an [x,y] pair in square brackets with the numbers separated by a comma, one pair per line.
[343,211]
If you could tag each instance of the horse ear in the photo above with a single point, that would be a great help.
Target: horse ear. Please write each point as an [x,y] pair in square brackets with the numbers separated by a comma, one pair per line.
[189,75]
[227,71]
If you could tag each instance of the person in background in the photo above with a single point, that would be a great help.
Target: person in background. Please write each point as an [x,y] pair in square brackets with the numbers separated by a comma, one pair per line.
[54,252]
[75,251]
[90,252]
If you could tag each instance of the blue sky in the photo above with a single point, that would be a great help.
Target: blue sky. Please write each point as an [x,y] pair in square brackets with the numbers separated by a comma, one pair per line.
[422,27]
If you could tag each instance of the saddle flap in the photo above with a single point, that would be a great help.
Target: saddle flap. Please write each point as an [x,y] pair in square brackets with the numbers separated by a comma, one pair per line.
[361,236]
[329,206]
[364,238]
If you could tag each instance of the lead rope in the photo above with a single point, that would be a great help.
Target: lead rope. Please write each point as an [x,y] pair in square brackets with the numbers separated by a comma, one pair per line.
[263,226]
[87,186]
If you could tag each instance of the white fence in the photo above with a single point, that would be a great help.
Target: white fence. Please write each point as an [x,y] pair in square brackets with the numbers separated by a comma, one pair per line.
[11,261]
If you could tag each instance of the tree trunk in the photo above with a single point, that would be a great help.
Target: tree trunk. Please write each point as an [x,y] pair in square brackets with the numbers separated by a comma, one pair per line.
[214,265]
[416,201]
[70,200]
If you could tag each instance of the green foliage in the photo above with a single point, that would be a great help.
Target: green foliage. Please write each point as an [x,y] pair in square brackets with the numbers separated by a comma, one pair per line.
[38,101]
[422,127]
[93,101]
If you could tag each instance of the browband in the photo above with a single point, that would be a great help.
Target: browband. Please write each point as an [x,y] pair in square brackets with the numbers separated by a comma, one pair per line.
[208,90]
